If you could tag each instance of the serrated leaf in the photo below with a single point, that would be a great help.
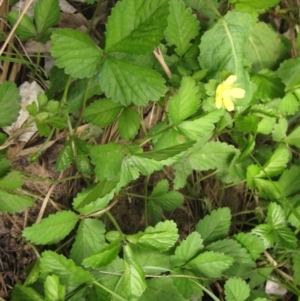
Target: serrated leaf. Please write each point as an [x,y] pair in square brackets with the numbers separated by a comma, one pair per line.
[214,226]
[252,243]
[46,14]
[289,104]
[289,181]
[102,112]
[286,237]
[293,137]
[189,288]
[266,233]
[102,155]
[269,86]
[51,229]
[9,103]
[136,27]
[89,239]
[264,48]
[280,129]
[243,262]
[296,267]
[182,27]
[54,291]
[155,212]
[12,180]
[65,157]
[289,73]
[103,257]
[65,269]
[209,264]
[134,282]
[13,203]
[26,29]
[85,57]
[222,47]
[186,102]
[127,83]
[129,123]
[275,216]
[25,294]
[236,289]
[166,226]
[255,4]
[188,249]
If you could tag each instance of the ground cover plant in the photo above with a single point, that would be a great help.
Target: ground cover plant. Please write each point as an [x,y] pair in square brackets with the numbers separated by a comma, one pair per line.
[179,104]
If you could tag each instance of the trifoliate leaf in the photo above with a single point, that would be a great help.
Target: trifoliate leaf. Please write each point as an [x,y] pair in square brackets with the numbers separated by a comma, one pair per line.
[289,104]
[243,262]
[102,112]
[127,83]
[85,57]
[293,137]
[289,73]
[103,257]
[266,233]
[136,27]
[9,103]
[269,86]
[222,47]
[209,264]
[236,289]
[129,123]
[188,249]
[65,269]
[13,203]
[186,102]
[183,26]
[134,282]
[264,47]
[252,243]
[24,293]
[54,291]
[26,29]
[51,229]
[46,14]
[214,226]
[89,239]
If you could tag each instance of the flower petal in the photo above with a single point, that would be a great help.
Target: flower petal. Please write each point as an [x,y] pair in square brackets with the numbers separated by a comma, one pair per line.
[230,80]
[219,101]
[237,93]
[228,103]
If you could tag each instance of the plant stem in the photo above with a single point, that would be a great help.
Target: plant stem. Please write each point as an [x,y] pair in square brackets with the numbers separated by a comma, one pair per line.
[115,223]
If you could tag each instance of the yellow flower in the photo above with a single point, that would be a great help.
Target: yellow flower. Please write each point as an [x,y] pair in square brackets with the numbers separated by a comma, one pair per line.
[226,92]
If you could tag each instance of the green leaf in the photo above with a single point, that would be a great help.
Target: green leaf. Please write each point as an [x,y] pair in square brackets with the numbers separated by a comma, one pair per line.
[280,129]
[214,226]
[266,233]
[269,85]
[296,267]
[186,102]
[102,112]
[26,29]
[264,48]
[85,57]
[65,269]
[167,200]
[105,256]
[255,4]
[89,239]
[51,229]
[54,291]
[289,181]
[102,155]
[129,123]
[289,73]
[22,293]
[189,288]
[183,26]
[155,212]
[289,104]
[188,249]
[161,289]
[46,14]
[65,157]
[236,289]
[136,27]
[9,103]
[209,264]
[293,137]
[134,283]
[212,155]
[243,262]
[252,243]
[286,238]
[13,203]
[12,180]
[222,47]
[275,216]
[127,83]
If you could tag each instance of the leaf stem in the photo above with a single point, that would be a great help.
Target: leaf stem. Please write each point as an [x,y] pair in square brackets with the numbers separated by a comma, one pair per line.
[110,291]
[113,220]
